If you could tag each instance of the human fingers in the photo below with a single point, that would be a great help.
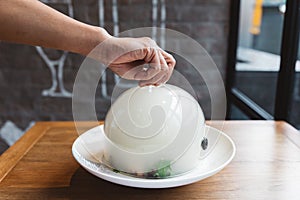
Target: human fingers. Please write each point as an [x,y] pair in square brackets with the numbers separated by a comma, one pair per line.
[156,80]
[161,77]
[169,58]
[128,70]
[171,62]
[137,70]
[162,60]
[144,68]
[151,68]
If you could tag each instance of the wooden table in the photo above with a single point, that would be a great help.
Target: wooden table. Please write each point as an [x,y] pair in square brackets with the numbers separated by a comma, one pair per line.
[266,166]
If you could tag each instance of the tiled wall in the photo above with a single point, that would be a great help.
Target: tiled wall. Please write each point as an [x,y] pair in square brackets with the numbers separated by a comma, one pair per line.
[25,77]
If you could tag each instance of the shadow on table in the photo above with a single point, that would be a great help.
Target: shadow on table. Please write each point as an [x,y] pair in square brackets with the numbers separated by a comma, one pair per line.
[86,186]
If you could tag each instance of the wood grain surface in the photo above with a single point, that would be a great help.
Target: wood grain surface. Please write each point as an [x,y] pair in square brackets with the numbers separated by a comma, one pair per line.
[266,166]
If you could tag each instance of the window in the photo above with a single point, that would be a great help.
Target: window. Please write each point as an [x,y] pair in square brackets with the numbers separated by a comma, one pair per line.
[263,71]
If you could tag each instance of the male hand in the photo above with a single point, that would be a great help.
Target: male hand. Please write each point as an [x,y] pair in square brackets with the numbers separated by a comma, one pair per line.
[137,59]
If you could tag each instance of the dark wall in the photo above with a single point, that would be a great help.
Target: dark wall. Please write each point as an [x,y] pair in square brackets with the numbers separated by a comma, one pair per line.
[24,75]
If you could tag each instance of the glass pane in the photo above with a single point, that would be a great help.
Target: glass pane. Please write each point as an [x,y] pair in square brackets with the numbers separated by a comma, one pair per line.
[237,114]
[260,32]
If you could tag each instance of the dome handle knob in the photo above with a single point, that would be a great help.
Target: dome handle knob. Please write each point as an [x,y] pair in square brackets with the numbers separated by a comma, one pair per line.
[204,143]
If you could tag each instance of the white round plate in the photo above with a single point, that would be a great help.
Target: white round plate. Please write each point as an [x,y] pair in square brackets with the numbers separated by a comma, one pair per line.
[89,146]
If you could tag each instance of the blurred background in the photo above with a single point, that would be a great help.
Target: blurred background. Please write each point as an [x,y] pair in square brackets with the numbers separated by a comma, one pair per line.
[243,37]
[264,79]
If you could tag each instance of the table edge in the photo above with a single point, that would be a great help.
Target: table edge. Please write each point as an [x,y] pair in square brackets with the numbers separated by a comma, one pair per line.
[14,154]
[10,158]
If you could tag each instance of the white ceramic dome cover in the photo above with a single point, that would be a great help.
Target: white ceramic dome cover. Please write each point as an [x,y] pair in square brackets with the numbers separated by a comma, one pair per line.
[181,111]
[147,110]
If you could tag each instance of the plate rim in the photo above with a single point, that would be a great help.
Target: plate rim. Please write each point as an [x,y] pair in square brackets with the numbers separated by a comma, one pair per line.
[136,182]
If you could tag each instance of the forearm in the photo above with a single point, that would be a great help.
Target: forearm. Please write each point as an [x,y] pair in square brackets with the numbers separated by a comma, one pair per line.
[32,22]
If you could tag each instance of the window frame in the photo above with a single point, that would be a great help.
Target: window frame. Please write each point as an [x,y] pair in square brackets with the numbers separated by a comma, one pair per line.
[286,74]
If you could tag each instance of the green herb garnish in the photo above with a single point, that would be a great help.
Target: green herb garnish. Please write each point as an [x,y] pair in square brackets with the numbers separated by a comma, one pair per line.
[163,170]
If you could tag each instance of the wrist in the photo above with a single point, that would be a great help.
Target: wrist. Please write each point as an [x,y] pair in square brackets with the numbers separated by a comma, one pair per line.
[93,37]
[103,34]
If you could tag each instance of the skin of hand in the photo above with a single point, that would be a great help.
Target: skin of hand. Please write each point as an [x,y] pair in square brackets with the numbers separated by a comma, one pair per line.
[136,59]
[34,23]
